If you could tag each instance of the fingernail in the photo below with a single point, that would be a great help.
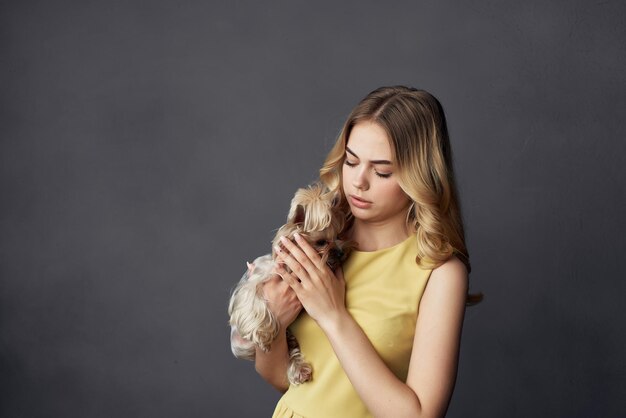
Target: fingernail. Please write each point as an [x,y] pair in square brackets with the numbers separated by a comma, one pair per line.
[298,237]
[283,239]
[277,249]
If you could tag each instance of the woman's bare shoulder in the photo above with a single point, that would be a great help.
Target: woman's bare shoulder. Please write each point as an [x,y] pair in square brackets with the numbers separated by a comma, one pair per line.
[451,275]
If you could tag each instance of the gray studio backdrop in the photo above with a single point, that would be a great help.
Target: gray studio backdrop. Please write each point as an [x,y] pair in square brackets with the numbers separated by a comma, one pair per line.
[148,149]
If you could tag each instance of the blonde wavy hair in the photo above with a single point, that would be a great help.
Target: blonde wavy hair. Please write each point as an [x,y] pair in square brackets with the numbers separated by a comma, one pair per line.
[416,126]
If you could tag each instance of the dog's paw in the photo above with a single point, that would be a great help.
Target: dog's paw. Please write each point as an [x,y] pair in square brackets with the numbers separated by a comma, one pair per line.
[301,374]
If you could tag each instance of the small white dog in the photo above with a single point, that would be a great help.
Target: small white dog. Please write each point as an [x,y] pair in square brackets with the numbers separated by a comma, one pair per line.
[313,215]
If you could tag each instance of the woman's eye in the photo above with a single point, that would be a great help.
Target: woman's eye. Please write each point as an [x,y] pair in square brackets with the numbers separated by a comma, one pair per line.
[349,164]
[383,175]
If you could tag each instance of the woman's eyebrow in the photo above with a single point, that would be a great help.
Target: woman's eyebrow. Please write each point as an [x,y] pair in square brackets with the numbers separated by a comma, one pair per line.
[386,162]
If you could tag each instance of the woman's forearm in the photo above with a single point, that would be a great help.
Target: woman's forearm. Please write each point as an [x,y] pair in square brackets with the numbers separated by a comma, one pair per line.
[381,391]
[272,366]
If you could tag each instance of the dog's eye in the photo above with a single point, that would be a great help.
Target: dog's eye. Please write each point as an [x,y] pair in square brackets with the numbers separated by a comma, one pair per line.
[320,242]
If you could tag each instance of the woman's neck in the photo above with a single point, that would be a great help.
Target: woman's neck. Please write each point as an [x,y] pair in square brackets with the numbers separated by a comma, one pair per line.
[374,236]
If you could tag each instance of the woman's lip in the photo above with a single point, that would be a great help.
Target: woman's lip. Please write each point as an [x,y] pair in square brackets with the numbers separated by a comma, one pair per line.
[358,198]
[360,203]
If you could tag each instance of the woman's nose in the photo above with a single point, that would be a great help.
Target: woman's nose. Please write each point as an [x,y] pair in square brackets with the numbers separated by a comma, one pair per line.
[360,179]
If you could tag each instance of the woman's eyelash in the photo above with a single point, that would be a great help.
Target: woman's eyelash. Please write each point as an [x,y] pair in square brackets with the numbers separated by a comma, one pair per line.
[384,176]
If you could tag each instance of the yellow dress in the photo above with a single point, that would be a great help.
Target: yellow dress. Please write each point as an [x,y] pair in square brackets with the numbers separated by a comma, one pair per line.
[383,291]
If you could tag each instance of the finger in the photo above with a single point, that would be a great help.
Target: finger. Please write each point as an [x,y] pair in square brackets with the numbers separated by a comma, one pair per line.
[299,255]
[290,261]
[289,278]
[310,252]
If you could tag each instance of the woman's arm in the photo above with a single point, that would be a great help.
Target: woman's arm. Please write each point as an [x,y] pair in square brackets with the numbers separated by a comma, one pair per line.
[272,366]
[282,301]
[433,365]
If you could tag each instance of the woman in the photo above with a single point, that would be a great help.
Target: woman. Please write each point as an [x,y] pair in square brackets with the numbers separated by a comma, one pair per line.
[372,354]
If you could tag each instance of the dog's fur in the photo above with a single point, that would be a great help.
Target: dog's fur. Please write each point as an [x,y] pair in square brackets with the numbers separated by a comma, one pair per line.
[315,216]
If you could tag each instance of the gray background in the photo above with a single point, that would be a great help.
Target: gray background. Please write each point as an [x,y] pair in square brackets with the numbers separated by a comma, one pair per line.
[148,149]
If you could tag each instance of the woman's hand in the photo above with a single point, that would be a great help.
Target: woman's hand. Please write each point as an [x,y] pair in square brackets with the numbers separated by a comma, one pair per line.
[321,292]
[282,301]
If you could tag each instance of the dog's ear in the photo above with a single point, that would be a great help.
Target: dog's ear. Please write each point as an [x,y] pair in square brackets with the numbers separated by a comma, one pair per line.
[299,214]
[297,210]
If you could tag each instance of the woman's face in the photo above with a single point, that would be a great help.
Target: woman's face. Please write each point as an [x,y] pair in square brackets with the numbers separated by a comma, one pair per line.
[370,176]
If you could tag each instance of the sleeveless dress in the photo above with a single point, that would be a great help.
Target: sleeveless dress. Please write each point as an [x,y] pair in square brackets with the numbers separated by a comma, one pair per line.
[383,291]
